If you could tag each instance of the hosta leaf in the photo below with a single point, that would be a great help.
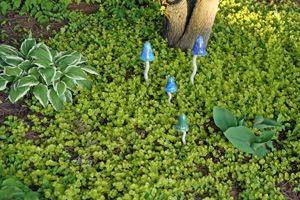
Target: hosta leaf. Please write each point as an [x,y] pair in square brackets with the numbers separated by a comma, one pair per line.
[34,71]
[29,80]
[269,143]
[12,71]
[16,93]
[241,137]
[261,151]
[15,82]
[84,83]
[68,96]
[2,63]
[69,59]
[30,52]
[3,84]
[32,196]
[27,45]
[82,59]
[42,52]
[62,67]
[8,50]
[42,63]
[6,77]
[89,69]
[57,75]
[254,146]
[259,119]
[53,53]
[70,83]
[12,181]
[25,65]
[262,122]
[223,118]
[60,87]
[12,60]
[240,120]
[41,93]
[266,136]
[75,73]
[11,193]
[62,98]
[48,75]
[55,101]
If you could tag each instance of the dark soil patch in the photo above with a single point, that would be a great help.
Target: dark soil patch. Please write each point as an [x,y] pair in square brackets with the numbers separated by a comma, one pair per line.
[203,169]
[16,25]
[286,189]
[19,109]
[84,8]
[211,124]
[236,189]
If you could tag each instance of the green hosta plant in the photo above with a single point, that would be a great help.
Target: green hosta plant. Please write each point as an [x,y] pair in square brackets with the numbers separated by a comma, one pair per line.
[39,70]
[11,188]
[240,136]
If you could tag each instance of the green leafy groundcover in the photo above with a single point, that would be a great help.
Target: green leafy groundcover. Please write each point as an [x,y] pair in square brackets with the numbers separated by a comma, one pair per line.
[118,140]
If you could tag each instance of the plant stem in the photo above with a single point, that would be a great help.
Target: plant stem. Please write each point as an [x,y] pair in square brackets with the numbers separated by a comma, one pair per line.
[194,69]
[146,72]
[183,138]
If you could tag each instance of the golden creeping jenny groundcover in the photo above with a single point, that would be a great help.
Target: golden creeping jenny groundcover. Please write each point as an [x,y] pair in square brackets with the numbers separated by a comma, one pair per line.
[123,132]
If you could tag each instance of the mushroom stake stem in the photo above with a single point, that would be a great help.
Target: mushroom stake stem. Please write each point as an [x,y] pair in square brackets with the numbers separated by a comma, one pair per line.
[194,69]
[146,72]
[183,137]
[170,96]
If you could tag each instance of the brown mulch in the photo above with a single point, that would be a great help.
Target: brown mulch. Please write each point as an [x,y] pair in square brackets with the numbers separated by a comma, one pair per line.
[21,109]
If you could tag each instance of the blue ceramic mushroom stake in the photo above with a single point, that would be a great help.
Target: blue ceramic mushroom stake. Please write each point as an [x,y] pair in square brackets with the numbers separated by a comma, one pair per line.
[182,126]
[170,87]
[147,55]
[198,50]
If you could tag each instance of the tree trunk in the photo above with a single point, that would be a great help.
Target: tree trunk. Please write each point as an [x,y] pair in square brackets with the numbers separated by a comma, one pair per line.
[187,20]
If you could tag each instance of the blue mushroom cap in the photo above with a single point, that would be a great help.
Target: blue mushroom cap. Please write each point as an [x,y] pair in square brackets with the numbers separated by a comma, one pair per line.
[199,47]
[147,53]
[171,87]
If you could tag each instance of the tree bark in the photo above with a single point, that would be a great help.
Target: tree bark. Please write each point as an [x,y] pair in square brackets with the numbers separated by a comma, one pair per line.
[187,20]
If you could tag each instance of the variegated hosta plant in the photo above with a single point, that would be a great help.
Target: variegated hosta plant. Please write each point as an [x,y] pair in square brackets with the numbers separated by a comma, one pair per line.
[47,74]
